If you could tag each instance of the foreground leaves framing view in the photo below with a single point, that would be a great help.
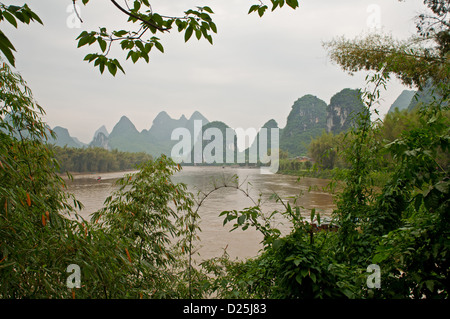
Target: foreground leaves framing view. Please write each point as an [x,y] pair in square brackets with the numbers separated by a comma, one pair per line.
[140,245]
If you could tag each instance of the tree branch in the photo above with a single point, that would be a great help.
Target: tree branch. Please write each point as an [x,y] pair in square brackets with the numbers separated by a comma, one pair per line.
[75,9]
[148,23]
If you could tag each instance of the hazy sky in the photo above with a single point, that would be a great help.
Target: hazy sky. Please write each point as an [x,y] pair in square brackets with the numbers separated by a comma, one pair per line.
[256,69]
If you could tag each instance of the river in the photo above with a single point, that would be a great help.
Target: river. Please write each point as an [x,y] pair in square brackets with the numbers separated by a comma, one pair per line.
[215,237]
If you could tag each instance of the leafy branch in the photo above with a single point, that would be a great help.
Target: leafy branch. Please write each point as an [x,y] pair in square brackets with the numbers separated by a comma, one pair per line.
[138,46]
[196,22]
[132,15]
[261,8]
[11,14]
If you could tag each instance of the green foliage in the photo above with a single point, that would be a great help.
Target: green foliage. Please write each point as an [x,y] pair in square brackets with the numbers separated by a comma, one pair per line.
[151,219]
[36,238]
[304,270]
[328,150]
[415,61]
[11,14]
[140,244]
[299,265]
[412,64]
[306,120]
[426,95]
[97,159]
[417,199]
[261,7]
[357,194]
[343,108]
[310,116]
[324,150]
[294,167]
[396,122]
[136,247]
[403,227]
[137,42]
[435,26]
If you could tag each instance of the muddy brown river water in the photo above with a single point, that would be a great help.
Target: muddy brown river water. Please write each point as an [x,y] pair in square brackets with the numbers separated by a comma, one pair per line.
[215,237]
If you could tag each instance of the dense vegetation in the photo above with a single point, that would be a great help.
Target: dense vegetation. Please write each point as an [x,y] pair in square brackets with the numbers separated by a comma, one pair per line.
[342,109]
[94,159]
[140,244]
[327,151]
[403,228]
[307,119]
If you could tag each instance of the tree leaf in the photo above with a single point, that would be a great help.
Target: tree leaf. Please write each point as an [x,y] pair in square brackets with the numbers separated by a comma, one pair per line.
[140,45]
[253,8]
[7,48]
[102,44]
[112,68]
[299,278]
[83,40]
[241,219]
[313,277]
[8,16]
[430,285]
[213,27]
[101,66]
[198,34]
[116,62]
[261,10]
[159,46]
[292,3]
[35,17]
[208,9]
[188,33]
[442,186]
[134,56]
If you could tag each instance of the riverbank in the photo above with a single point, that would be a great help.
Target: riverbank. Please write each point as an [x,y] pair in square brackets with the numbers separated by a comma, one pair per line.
[96,173]
[324,174]
[379,178]
[132,170]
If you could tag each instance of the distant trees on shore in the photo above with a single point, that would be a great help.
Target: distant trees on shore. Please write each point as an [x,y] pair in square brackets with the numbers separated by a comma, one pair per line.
[95,159]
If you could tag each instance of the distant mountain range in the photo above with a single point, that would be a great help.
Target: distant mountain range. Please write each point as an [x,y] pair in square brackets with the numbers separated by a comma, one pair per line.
[307,119]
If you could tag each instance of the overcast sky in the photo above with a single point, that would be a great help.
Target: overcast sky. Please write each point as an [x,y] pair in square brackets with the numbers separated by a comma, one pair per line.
[256,69]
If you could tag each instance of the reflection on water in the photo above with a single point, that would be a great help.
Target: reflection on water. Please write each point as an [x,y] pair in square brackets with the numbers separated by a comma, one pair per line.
[92,192]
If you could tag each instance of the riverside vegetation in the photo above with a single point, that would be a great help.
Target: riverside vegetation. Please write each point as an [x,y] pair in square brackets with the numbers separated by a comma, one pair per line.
[96,159]
[140,245]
